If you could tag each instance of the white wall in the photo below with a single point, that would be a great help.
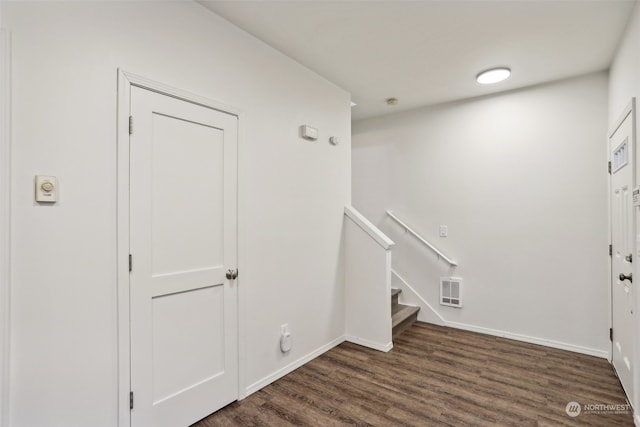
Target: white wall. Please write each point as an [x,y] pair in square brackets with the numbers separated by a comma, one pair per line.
[520,180]
[291,192]
[367,283]
[624,77]
[5,223]
[624,83]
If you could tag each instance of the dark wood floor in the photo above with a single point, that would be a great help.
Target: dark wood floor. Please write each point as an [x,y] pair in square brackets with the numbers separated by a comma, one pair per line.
[435,376]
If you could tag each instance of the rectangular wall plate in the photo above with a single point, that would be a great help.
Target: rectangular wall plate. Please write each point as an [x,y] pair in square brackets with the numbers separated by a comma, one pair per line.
[46,189]
[308,132]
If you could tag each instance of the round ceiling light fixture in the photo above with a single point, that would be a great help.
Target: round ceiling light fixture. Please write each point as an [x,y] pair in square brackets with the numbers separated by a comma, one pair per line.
[493,75]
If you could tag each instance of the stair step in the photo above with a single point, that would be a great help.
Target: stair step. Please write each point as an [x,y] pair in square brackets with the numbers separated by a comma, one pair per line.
[405,316]
[395,292]
[403,313]
[395,307]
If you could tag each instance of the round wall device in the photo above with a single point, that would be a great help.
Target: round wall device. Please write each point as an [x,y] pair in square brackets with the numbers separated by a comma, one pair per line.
[285,342]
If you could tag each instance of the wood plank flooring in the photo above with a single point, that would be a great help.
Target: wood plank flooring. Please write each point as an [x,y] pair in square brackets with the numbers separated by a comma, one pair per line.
[435,376]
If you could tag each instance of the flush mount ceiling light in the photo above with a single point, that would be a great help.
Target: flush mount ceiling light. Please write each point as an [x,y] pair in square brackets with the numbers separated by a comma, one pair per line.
[494,75]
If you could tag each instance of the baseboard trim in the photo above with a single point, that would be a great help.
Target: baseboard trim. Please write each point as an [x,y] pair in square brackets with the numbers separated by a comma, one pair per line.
[370,344]
[636,420]
[604,354]
[291,367]
[529,339]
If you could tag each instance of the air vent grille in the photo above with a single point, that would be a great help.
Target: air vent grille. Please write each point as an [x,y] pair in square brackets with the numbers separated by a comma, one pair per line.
[451,291]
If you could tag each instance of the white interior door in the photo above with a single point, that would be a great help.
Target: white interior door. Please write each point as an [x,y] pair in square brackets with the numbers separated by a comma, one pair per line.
[622,152]
[183,190]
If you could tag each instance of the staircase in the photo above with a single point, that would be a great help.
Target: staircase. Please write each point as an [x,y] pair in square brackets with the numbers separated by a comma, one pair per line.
[402,316]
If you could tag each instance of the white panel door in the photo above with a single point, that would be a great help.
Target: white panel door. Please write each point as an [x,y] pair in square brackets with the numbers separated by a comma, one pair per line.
[622,240]
[183,190]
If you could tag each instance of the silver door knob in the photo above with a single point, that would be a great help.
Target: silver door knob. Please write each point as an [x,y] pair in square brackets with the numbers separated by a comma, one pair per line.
[232,274]
[622,277]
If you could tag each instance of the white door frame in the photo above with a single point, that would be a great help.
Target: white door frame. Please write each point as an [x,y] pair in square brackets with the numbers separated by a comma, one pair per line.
[630,109]
[125,81]
[5,222]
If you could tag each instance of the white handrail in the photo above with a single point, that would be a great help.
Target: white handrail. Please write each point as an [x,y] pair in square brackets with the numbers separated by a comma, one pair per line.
[368,227]
[419,237]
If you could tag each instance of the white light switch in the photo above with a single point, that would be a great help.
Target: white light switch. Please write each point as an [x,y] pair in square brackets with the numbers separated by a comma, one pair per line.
[444,231]
[46,189]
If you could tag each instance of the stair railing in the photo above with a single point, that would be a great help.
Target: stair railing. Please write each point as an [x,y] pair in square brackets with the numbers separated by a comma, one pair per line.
[440,254]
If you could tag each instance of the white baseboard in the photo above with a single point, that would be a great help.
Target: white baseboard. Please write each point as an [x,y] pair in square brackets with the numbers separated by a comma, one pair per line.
[439,320]
[291,367]
[636,420]
[532,340]
[370,344]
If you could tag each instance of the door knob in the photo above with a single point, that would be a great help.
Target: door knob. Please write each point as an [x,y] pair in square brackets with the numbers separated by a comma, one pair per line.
[622,277]
[232,274]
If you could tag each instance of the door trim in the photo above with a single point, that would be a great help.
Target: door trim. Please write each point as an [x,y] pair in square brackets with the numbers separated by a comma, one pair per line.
[5,222]
[125,81]
[630,108]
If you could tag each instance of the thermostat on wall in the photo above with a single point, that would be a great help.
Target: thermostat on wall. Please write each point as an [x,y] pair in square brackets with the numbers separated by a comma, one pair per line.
[308,132]
[46,189]
[635,194]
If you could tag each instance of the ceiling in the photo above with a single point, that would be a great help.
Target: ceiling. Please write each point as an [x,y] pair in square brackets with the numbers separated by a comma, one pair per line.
[428,52]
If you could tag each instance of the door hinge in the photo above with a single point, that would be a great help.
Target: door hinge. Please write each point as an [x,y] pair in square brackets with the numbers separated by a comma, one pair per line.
[130,400]
[610,250]
[130,263]
[611,334]
[608,166]
[131,127]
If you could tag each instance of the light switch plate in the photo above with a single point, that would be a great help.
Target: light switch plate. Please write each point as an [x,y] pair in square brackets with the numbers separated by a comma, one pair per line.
[444,231]
[46,189]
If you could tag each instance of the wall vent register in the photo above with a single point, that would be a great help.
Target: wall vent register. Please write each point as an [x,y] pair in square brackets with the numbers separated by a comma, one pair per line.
[451,291]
